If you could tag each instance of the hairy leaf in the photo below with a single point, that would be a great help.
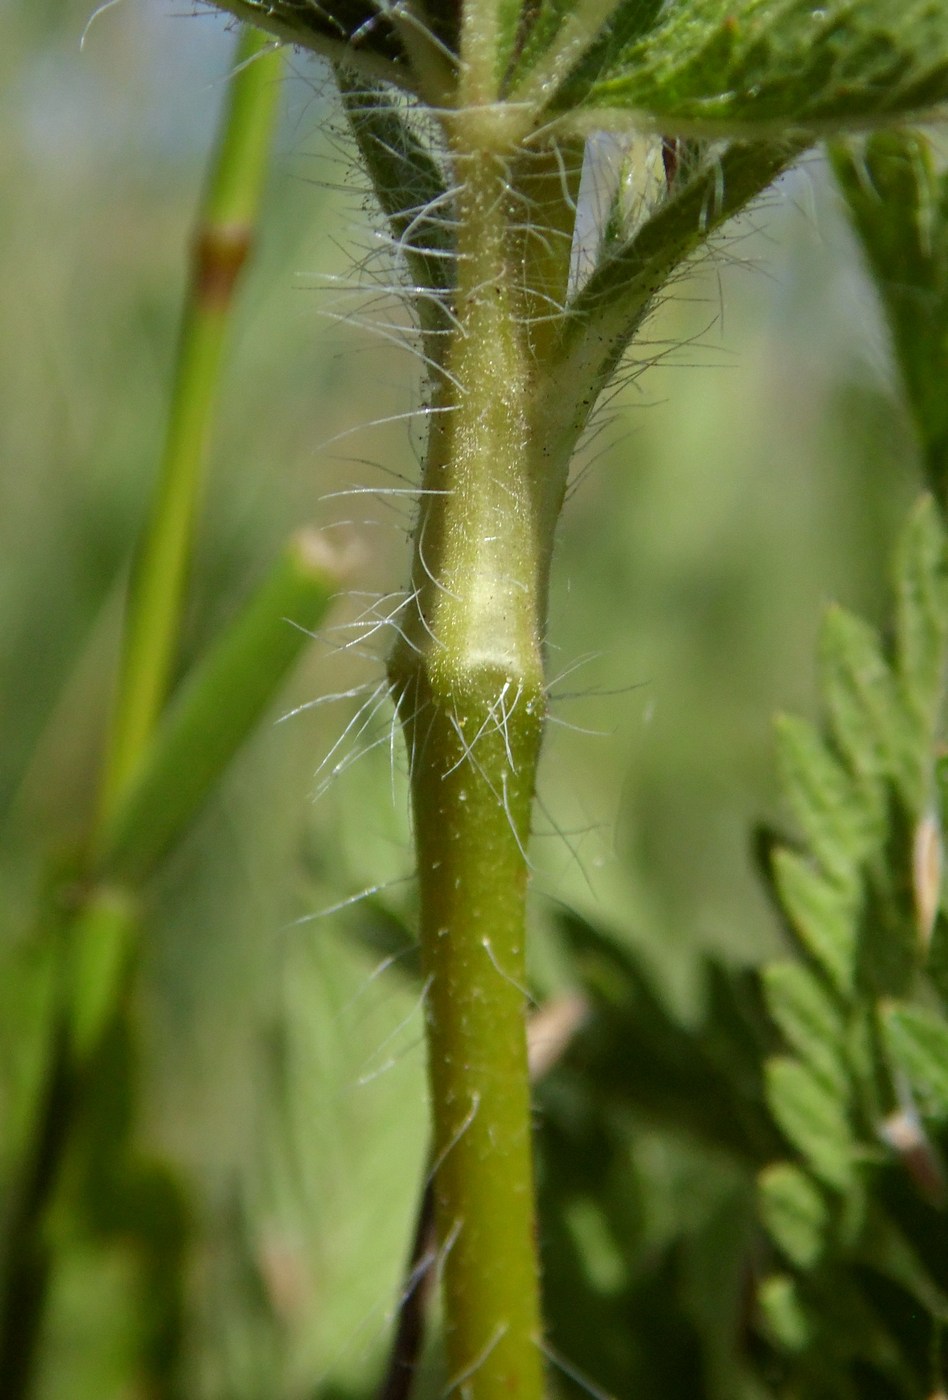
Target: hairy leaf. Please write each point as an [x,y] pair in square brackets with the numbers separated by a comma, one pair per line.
[741,66]
[411,193]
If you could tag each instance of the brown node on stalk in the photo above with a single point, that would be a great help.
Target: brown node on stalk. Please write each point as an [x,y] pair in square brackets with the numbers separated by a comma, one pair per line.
[220,251]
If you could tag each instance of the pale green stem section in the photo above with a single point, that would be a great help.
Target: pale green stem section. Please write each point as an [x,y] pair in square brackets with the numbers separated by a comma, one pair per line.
[468,679]
[480,43]
[160,567]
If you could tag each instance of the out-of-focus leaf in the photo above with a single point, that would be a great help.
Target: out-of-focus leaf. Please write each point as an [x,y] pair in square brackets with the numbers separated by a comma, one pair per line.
[705,1081]
[937,962]
[921,578]
[101,940]
[812,1118]
[868,721]
[823,915]
[783,1313]
[840,824]
[809,1019]
[898,204]
[917,1041]
[794,1212]
[217,707]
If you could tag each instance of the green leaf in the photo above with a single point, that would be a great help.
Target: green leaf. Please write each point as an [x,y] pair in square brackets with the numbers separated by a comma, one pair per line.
[936,964]
[809,1019]
[917,1044]
[356,31]
[101,941]
[738,67]
[841,824]
[898,204]
[922,622]
[783,1314]
[868,719]
[812,1119]
[509,24]
[410,189]
[216,708]
[794,1212]
[615,300]
[577,39]
[823,914]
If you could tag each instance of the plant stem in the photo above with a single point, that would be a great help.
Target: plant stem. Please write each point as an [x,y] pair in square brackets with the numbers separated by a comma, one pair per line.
[86,938]
[467,676]
[220,249]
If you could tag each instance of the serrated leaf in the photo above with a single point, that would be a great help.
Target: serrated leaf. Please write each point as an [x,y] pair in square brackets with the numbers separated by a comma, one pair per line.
[917,1044]
[898,204]
[841,821]
[794,1212]
[809,1019]
[580,40]
[812,1118]
[738,66]
[869,721]
[823,914]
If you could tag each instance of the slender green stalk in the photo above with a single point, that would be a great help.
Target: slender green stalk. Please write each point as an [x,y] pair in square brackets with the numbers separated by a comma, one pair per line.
[159,572]
[91,933]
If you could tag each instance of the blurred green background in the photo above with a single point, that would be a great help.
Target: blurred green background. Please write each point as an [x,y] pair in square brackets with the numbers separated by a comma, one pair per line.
[756,465]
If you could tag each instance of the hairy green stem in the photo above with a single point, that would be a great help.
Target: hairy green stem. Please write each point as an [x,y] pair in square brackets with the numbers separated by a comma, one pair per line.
[468,680]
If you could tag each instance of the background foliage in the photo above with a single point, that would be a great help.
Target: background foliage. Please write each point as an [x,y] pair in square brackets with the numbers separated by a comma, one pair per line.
[760,468]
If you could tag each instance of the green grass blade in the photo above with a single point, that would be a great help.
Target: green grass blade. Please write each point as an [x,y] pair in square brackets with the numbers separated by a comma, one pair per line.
[218,705]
